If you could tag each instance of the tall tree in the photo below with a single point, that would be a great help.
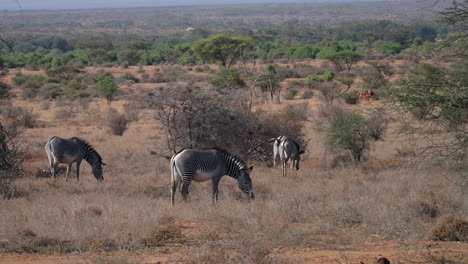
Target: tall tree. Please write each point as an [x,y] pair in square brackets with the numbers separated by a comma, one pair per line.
[222,48]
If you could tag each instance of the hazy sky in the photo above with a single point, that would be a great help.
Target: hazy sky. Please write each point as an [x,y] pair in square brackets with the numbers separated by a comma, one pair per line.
[73,4]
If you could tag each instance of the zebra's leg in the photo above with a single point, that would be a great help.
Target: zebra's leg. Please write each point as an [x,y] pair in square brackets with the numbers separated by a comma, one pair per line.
[69,165]
[175,183]
[54,168]
[78,163]
[214,195]
[292,167]
[185,186]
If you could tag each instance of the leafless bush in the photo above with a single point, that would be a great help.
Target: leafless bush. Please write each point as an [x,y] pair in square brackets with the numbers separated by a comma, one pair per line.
[330,91]
[116,122]
[11,128]
[194,116]
[377,124]
[133,110]
[64,112]
[22,117]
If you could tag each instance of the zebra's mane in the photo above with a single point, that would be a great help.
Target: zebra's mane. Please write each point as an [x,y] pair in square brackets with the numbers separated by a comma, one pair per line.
[238,160]
[86,144]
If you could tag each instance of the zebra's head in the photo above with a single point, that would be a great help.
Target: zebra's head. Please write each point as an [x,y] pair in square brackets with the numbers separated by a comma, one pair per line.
[298,158]
[97,170]
[245,183]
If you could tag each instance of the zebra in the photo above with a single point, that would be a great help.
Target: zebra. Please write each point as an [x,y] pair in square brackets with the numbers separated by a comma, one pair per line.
[210,164]
[287,149]
[71,150]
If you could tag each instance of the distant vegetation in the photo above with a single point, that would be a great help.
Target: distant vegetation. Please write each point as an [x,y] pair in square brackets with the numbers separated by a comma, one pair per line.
[151,36]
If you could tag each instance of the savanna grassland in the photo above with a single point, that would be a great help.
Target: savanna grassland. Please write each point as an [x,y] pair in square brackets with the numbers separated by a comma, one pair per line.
[374,181]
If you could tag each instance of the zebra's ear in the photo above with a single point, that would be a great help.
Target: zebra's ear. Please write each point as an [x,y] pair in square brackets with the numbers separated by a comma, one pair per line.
[301,151]
[250,169]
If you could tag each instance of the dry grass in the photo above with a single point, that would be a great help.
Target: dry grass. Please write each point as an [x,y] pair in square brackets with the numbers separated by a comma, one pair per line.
[314,207]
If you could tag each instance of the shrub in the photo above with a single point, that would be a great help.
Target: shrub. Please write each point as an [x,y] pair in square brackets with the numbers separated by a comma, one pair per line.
[133,111]
[107,87]
[64,112]
[331,91]
[4,90]
[328,76]
[163,235]
[307,94]
[18,116]
[29,83]
[51,91]
[351,97]
[374,80]
[117,123]
[377,124]
[227,78]
[13,121]
[450,228]
[347,131]
[128,77]
[290,94]
[204,118]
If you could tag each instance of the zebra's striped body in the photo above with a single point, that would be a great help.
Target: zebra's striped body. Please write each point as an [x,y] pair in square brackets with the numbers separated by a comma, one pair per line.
[287,149]
[71,150]
[202,165]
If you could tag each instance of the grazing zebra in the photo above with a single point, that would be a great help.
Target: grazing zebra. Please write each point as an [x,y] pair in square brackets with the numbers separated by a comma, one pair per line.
[71,150]
[211,164]
[287,149]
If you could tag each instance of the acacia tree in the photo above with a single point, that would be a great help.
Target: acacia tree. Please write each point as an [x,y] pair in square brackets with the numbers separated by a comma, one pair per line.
[268,81]
[222,48]
[107,87]
[437,97]
[438,100]
[344,59]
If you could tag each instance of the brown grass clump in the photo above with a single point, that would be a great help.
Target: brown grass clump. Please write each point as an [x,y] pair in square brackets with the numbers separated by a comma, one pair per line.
[163,235]
[29,241]
[450,228]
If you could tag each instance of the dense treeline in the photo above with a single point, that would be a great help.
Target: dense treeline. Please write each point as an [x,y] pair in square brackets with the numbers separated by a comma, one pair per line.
[296,42]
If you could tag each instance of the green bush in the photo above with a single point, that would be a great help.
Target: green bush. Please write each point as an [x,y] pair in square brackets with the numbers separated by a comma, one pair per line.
[351,97]
[387,47]
[128,77]
[347,131]
[228,78]
[107,87]
[4,90]
[328,76]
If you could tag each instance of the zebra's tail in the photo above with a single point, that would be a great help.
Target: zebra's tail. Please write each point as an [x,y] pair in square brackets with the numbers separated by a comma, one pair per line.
[48,147]
[173,171]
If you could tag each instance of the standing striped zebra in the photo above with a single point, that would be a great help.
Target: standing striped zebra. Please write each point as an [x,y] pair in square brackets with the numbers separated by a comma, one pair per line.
[287,149]
[71,150]
[211,164]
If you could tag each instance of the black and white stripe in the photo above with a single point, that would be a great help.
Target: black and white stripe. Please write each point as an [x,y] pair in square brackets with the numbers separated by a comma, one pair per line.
[202,165]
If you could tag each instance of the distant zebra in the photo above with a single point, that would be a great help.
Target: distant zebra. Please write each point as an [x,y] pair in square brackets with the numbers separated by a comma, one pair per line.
[287,149]
[211,164]
[71,150]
